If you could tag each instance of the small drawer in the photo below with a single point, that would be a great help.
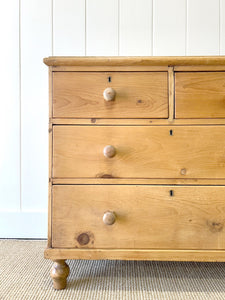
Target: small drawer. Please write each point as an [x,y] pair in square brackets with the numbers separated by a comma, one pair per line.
[138,151]
[126,95]
[200,95]
[130,216]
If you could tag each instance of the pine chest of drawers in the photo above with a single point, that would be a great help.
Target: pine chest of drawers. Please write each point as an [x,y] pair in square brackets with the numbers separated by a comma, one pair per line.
[136,159]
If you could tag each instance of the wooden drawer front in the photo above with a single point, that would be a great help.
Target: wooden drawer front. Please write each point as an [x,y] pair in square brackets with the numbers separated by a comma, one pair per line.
[141,151]
[200,94]
[138,95]
[146,217]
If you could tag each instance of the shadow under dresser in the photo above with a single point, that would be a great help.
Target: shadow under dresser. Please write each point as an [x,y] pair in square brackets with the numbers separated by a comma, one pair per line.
[136,159]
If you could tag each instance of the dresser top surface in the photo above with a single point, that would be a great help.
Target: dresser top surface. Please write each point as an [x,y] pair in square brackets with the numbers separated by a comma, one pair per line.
[133,60]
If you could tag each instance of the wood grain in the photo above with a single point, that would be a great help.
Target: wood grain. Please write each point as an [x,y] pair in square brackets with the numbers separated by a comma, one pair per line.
[59,273]
[138,94]
[139,122]
[171,93]
[164,187]
[112,68]
[50,169]
[137,254]
[157,181]
[141,151]
[206,68]
[146,217]
[134,60]
[200,95]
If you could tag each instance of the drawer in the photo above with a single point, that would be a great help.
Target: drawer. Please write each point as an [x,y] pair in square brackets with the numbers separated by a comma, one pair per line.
[137,95]
[144,217]
[200,94]
[139,151]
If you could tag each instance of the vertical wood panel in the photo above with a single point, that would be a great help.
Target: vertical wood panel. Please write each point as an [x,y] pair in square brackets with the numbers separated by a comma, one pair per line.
[203,27]
[10,107]
[68,27]
[135,32]
[35,44]
[102,27]
[23,225]
[169,27]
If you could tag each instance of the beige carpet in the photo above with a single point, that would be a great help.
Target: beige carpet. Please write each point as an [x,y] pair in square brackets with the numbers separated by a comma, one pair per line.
[24,274]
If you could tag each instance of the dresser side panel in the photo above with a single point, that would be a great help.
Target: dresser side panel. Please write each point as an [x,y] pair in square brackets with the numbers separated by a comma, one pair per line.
[50,141]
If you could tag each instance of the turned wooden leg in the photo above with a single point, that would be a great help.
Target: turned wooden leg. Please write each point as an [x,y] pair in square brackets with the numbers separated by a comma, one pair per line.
[59,272]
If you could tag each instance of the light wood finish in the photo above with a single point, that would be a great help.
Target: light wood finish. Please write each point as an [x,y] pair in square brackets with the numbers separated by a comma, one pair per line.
[50,185]
[171,93]
[50,175]
[109,151]
[134,61]
[50,92]
[190,68]
[138,94]
[139,177]
[110,68]
[200,95]
[109,94]
[150,122]
[109,218]
[158,181]
[157,217]
[141,152]
[59,273]
[137,254]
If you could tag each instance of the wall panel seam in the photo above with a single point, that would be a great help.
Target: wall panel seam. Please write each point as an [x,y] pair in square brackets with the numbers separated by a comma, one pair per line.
[186,18]
[186,40]
[152,31]
[220,27]
[118,23]
[85,27]
[52,29]
[20,111]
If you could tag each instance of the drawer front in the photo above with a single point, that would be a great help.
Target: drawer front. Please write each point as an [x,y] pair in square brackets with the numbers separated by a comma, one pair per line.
[145,217]
[200,94]
[139,151]
[137,95]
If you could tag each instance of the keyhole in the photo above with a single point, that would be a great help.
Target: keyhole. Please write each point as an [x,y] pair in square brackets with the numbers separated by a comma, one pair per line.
[171,132]
[171,193]
[109,79]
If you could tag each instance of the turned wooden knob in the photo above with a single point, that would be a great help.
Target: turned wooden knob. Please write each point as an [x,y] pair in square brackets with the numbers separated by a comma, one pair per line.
[109,218]
[183,171]
[109,151]
[109,94]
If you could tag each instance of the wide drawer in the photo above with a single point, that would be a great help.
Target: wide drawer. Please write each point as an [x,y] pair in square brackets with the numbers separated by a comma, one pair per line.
[200,94]
[140,151]
[138,95]
[172,217]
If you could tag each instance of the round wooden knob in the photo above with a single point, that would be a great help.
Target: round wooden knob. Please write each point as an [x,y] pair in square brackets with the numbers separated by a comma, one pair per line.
[109,151]
[183,171]
[109,218]
[109,94]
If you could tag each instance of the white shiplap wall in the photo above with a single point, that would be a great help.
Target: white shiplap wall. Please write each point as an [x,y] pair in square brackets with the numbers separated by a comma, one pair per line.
[33,29]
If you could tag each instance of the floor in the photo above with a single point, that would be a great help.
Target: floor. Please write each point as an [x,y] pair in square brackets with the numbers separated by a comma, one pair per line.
[24,274]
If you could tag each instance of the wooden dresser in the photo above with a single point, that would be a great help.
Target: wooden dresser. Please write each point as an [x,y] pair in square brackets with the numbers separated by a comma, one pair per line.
[136,159]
